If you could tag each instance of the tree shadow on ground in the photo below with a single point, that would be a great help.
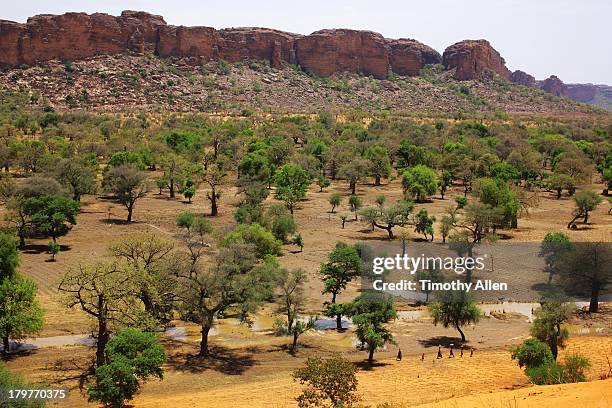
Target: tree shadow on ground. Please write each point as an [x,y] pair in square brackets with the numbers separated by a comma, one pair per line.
[116,221]
[364,365]
[72,369]
[444,341]
[35,249]
[222,359]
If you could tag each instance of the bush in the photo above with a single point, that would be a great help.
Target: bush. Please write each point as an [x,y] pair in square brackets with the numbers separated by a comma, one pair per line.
[264,241]
[546,374]
[532,353]
[574,366]
[461,202]
[10,381]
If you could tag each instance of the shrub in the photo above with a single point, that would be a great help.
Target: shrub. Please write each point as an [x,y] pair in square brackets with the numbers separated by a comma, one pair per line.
[546,374]
[574,366]
[532,353]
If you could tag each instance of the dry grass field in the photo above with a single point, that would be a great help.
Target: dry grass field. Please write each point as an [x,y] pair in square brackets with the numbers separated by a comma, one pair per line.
[251,367]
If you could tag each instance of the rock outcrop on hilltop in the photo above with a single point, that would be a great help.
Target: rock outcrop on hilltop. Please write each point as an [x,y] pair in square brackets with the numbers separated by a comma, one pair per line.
[472,58]
[408,56]
[553,85]
[523,78]
[74,36]
[581,92]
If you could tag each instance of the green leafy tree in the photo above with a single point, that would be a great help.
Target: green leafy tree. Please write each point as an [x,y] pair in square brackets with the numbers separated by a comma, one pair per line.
[133,357]
[532,353]
[231,279]
[53,249]
[9,256]
[298,241]
[560,182]
[370,312]
[331,383]
[342,266]
[504,171]
[128,184]
[455,309]
[420,182]
[323,182]
[423,224]
[214,177]
[498,195]
[292,182]
[379,163]
[177,170]
[446,181]
[280,222]
[585,201]
[390,217]
[355,203]
[79,177]
[335,199]
[300,328]
[52,216]
[264,241]
[547,325]
[291,293]
[20,315]
[354,171]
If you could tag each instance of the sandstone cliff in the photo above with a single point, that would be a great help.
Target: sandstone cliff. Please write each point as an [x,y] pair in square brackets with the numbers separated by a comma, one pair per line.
[74,36]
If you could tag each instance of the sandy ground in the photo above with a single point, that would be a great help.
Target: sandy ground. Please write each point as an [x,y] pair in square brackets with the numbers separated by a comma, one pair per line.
[252,367]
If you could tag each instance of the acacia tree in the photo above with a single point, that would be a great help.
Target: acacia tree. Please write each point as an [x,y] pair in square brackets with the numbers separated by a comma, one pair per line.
[105,292]
[456,309]
[80,178]
[177,170]
[585,201]
[388,218]
[214,176]
[128,184]
[343,265]
[370,312]
[354,171]
[334,200]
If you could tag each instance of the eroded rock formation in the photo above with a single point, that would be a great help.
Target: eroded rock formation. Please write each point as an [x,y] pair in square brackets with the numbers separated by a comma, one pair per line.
[523,78]
[74,36]
[473,58]
[553,85]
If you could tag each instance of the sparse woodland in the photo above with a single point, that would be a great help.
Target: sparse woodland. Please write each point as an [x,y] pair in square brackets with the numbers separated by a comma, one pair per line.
[499,169]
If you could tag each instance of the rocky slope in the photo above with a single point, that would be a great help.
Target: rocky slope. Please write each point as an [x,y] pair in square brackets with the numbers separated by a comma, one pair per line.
[324,53]
[133,81]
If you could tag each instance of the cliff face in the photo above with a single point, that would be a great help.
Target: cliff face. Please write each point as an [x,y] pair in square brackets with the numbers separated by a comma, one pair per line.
[472,58]
[74,36]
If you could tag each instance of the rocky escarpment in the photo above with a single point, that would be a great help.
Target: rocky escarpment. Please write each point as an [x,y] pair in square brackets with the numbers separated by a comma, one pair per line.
[472,58]
[553,85]
[523,78]
[74,36]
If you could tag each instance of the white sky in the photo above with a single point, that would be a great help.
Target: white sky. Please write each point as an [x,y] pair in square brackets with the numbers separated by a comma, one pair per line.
[569,38]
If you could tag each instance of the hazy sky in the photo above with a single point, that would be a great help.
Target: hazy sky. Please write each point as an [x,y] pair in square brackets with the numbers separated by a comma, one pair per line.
[569,38]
